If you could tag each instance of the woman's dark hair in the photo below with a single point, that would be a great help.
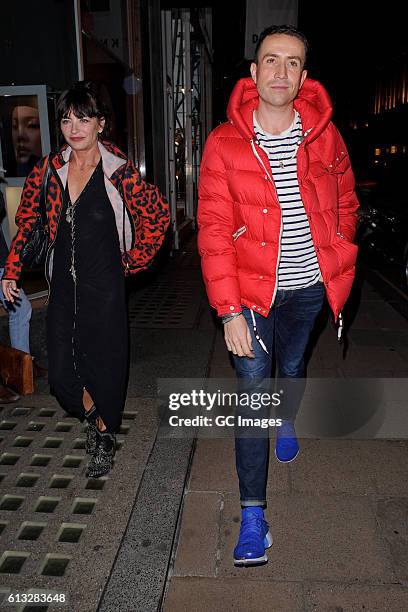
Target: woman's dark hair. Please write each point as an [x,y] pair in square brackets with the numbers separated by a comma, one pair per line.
[83,100]
[281,29]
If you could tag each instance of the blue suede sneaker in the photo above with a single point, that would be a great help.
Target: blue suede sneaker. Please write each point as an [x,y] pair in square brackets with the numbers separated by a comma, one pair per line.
[286,446]
[254,538]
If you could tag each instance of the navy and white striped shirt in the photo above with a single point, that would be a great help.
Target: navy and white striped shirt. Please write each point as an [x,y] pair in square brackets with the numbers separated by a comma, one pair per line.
[298,266]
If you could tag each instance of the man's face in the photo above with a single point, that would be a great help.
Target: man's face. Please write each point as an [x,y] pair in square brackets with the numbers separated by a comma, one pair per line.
[279,72]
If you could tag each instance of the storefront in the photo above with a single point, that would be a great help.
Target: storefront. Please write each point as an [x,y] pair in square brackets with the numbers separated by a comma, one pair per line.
[152,65]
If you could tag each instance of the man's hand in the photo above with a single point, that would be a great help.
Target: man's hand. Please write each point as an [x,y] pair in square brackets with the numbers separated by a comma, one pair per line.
[10,290]
[238,337]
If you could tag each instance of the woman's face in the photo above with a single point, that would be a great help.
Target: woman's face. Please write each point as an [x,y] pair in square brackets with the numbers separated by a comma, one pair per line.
[26,133]
[81,133]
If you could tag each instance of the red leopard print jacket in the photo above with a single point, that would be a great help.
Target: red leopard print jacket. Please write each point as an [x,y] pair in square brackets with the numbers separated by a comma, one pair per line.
[147,210]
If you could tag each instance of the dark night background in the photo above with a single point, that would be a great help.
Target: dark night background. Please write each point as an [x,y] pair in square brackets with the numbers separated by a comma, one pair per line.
[350,44]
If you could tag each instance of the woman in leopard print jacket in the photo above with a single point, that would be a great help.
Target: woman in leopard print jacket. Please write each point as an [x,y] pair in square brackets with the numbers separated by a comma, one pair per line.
[105,222]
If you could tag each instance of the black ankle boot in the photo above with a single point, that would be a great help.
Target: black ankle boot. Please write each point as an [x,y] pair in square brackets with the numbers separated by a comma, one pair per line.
[102,458]
[91,431]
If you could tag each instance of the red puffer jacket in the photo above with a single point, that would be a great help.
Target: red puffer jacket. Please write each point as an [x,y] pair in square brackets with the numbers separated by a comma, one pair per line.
[239,216]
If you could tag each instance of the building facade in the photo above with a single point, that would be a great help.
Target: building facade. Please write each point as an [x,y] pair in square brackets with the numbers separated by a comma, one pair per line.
[153,66]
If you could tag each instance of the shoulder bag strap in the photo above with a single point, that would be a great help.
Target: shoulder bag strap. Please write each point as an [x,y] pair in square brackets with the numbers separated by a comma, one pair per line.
[44,192]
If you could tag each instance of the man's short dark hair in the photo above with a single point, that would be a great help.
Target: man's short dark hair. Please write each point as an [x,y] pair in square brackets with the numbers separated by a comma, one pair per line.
[281,29]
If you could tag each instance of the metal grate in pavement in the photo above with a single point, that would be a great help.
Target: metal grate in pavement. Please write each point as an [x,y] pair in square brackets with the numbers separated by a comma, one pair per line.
[170,303]
[46,502]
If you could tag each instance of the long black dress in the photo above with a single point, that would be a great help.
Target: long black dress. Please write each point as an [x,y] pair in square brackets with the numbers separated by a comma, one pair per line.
[87,329]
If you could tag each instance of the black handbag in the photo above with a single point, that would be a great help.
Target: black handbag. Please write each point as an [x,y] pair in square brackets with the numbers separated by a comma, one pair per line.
[34,252]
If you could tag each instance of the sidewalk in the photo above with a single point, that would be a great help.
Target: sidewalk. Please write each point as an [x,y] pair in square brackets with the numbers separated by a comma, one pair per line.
[158,532]
[105,544]
[338,514]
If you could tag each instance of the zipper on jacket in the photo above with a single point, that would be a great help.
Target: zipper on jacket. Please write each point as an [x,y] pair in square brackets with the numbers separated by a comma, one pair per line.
[304,135]
[275,290]
[258,157]
[300,182]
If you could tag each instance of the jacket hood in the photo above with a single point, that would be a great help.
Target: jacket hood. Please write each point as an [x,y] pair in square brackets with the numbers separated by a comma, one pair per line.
[112,157]
[312,103]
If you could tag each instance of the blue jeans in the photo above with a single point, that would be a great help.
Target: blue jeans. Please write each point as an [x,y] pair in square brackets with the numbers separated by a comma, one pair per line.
[285,333]
[19,320]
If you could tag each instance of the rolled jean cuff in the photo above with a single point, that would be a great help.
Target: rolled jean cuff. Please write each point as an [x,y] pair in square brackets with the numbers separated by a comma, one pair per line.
[247,503]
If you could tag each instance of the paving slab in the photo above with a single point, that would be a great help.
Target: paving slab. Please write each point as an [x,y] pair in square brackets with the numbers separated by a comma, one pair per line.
[364,319]
[214,470]
[339,406]
[315,537]
[166,354]
[383,316]
[351,467]
[212,595]
[378,363]
[198,539]
[320,416]
[318,369]
[390,422]
[392,517]
[324,597]
[391,338]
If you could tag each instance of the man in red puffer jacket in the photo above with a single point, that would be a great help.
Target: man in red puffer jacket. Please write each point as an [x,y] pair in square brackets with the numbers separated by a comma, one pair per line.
[277,215]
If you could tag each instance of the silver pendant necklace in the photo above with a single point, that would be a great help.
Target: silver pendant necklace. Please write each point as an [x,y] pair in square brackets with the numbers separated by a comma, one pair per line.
[70,219]
[69,213]
[282,162]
